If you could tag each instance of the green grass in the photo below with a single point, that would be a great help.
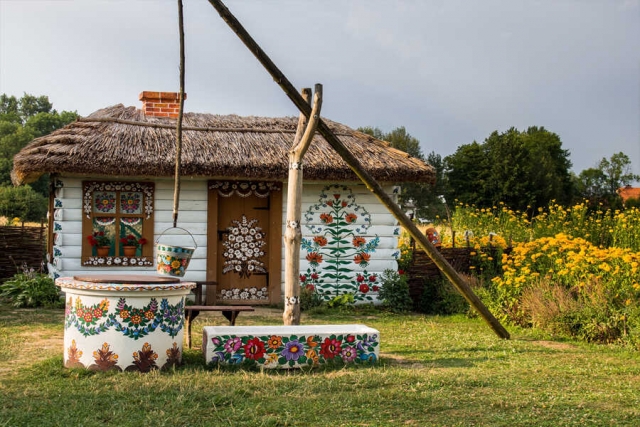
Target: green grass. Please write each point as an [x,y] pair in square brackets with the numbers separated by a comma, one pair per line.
[441,371]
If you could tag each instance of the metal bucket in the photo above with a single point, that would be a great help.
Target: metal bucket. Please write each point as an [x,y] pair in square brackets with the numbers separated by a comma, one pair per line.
[173,260]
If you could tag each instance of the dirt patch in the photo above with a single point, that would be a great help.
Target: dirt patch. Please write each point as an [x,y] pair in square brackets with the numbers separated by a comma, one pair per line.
[554,345]
[394,359]
[28,348]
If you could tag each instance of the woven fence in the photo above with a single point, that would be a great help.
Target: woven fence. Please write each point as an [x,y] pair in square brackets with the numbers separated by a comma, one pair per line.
[21,246]
[423,269]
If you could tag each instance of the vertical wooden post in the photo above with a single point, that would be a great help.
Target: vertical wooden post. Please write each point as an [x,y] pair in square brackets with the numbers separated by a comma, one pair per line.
[293,233]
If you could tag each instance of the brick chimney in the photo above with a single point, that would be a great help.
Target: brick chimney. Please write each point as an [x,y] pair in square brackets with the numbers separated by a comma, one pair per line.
[161,104]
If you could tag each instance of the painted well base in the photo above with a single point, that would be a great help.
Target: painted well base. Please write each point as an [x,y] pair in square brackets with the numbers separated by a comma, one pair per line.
[124,327]
[286,347]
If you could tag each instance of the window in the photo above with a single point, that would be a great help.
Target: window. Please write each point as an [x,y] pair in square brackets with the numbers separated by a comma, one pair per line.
[113,211]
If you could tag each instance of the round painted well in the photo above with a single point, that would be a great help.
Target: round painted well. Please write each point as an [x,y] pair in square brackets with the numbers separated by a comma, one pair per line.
[123,322]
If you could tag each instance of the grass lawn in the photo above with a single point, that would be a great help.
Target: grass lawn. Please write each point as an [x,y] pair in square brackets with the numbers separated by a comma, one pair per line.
[441,371]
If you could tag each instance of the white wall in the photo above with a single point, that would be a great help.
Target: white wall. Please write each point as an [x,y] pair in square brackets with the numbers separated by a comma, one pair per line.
[193,217]
[383,225]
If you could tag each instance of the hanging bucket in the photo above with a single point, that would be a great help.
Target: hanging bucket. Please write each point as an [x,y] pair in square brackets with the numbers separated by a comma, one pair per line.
[173,260]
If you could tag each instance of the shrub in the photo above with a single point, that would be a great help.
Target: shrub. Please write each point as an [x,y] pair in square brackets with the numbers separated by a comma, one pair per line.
[440,297]
[394,292]
[568,285]
[406,253]
[341,301]
[30,289]
[309,298]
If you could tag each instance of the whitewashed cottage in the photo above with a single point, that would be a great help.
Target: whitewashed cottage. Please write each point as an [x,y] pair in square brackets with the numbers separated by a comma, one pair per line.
[112,174]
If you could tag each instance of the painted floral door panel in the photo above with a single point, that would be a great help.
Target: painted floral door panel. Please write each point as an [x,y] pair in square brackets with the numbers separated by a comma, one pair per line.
[243,223]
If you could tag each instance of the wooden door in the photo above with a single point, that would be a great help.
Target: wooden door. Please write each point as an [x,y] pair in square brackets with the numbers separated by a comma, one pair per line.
[243,249]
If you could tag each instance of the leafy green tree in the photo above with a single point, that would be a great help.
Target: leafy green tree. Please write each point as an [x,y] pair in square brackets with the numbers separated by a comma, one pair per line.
[524,170]
[421,194]
[590,185]
[434,200]
[617,171]
[601,184]
[467,171]
[22,202]
[22,120]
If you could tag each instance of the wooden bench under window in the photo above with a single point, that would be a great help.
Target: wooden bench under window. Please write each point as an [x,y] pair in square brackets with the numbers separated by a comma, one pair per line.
[191,311]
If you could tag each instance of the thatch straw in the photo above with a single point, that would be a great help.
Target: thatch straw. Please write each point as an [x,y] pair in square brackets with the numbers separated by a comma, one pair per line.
[122,141]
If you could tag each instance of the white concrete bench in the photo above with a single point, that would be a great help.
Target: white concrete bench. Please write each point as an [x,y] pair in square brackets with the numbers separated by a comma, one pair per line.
[290,346]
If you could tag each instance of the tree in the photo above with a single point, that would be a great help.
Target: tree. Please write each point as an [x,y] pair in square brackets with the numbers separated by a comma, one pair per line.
[22,120]
[590,184]
[601,184]
[434,201]
[524,170]
[22,202]
[421,194]
[617,172]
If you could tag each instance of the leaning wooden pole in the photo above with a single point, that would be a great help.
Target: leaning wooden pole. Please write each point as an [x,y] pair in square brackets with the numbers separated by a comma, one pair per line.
[458,282]
[293,233]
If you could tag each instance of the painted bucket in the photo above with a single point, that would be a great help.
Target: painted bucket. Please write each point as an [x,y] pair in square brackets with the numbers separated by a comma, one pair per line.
[173,260]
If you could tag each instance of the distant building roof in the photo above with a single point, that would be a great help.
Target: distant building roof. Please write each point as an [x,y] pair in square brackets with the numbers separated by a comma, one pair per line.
[629,192]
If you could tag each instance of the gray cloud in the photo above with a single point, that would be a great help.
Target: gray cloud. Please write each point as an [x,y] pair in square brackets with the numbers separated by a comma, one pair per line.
[449,71]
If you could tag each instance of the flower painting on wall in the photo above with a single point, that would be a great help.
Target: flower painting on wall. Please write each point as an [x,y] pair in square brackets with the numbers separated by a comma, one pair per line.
[340,250]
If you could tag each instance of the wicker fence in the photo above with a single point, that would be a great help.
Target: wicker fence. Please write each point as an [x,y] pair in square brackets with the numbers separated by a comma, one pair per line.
[21,246]
[423,269]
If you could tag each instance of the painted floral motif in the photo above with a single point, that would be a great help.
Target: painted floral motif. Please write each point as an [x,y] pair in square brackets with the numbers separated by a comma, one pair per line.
[292,351]
[172,317]
[130,202]
[135,322]
[175,264]
[104,202]
[87,319]
[105,359]
[245,188]
[243,248]
[92,189]
[144,360]
[339,253]
[174,356]
[104,221]
[121,261]
[131,221]
[330,348]
[244,294]
[254,349]
[73,356]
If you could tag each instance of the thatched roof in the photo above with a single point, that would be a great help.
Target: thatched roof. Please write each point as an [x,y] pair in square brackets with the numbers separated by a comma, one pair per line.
[122,141]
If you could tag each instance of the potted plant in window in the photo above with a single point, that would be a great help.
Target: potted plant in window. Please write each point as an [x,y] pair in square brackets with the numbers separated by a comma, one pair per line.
[101,241]
[130,244]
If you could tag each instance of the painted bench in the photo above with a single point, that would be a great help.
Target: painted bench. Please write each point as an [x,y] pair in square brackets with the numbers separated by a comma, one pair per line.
[290,346]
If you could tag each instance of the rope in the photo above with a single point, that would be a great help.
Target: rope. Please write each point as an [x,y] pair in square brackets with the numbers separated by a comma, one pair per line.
[176,190]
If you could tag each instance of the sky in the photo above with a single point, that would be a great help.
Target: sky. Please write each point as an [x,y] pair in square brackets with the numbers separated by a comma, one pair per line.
[450,71]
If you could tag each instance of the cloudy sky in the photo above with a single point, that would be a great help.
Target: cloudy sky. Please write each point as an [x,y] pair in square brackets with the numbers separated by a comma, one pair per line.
[450,71]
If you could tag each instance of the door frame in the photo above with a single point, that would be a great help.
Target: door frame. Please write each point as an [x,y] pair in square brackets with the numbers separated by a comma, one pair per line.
[274,241]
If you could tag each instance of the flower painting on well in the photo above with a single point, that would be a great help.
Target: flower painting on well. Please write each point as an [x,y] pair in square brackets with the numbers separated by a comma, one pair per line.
[341,248]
